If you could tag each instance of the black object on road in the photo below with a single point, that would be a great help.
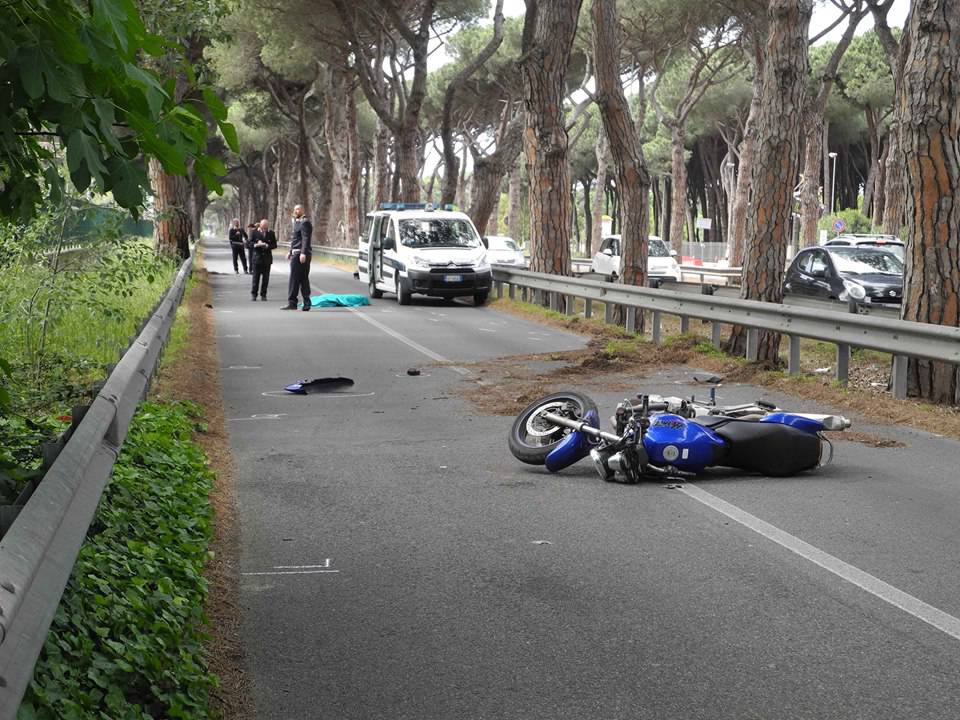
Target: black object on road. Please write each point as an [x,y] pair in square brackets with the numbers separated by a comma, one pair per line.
[413,372]
[319,385]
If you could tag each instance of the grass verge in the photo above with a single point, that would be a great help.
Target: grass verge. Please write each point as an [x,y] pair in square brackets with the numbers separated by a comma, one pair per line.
[126,641]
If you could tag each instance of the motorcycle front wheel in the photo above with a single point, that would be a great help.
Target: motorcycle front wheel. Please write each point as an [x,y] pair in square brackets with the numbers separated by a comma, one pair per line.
[532,437]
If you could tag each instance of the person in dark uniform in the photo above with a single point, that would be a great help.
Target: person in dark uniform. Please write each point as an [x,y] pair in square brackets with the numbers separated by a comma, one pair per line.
[299,257]
[249,245]
[262,242]
[238,241]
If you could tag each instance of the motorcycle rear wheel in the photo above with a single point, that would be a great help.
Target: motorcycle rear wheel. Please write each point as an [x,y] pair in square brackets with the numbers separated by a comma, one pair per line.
[532,438]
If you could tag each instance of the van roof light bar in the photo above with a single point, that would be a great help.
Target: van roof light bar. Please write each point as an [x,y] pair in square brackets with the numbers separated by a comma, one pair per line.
[402,206]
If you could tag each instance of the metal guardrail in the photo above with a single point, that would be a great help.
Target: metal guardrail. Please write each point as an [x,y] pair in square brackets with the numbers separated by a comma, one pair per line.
[38,552]
[903,339]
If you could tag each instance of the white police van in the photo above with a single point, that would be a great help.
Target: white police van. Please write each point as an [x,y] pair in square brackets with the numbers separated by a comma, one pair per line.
[412,249]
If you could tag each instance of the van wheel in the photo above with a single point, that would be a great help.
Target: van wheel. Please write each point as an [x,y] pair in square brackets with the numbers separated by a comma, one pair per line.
[403,293]
[613,277]
[480,298]
[373,292]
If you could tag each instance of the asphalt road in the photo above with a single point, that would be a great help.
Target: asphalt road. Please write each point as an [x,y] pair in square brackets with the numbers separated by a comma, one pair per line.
[397,562]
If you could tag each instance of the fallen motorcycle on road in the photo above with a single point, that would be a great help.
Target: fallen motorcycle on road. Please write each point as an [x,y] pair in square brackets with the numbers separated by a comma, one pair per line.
[670,437]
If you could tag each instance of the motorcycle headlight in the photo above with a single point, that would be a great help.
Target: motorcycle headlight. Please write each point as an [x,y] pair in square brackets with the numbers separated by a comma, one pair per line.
[854,290]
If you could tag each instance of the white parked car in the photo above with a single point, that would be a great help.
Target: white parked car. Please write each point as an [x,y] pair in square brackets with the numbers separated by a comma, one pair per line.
[503,250]
[661,261]
[890,243]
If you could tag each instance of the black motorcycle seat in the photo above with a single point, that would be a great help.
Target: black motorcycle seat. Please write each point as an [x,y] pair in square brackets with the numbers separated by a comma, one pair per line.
[767,448]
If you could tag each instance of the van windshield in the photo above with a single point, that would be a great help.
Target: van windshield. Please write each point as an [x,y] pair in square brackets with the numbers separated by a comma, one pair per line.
[436,232]
[657,248]
[865,261]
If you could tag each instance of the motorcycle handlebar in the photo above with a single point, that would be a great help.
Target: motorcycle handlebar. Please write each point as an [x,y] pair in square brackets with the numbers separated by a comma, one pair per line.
[580,426]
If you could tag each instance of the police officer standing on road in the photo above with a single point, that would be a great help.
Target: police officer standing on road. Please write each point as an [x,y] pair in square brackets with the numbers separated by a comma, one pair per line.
[262,242]
[299,257]
[238,239]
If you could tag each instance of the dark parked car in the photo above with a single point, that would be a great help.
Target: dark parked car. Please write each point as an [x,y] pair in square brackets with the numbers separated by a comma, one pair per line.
[865,274]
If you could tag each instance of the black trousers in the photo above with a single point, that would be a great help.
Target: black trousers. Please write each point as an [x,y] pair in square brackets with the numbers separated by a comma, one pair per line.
[239,251]
[261,278]
[299,280]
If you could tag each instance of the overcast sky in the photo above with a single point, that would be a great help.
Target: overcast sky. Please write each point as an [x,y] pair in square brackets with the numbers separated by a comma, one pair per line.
[823,14]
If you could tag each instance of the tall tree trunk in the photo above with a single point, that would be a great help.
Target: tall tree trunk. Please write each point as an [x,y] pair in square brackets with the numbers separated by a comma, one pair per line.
[879,189]
[809,189]
[587,218]
[548,34]
[748,149]
[895,188]
[633,180]
[603,162]
[515,200]
[343,147]
[665,197]
[772,178]
[489,171]
[381,164]
[462,194]
[678,181]
[927,115]
[825,165]
[450,161]
[171,225]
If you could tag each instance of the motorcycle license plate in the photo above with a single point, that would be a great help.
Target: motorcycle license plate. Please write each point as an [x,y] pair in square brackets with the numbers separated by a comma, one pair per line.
[453,278]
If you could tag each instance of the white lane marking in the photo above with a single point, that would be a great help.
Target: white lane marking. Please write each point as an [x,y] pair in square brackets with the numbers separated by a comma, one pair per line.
[486,330]
[408,342]
[264,416]
[875,586]
[224,311]
[228,336]
[244,367]
[290,572]
[326,564]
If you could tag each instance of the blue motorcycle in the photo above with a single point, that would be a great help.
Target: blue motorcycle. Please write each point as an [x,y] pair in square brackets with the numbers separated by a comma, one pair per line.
[670,437]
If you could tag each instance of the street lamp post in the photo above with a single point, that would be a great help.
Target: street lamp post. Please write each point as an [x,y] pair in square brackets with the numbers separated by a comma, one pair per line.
[833,180]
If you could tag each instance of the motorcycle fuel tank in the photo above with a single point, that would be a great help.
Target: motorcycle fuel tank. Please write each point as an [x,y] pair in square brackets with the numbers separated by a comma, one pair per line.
[674,440]
[574,447]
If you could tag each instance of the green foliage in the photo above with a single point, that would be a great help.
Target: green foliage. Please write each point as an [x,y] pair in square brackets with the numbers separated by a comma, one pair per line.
[71,80]
[855,220]
[127,638]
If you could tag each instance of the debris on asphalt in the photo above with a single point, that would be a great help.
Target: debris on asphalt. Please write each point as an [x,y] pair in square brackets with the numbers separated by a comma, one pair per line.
[318,385]
[207,305]
[822,371]
[413,372]
[541,542]
[674,486]
[709,379]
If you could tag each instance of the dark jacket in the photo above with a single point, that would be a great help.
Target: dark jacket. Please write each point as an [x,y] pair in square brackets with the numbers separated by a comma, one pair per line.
[237,236]
[302,231]
[263,254]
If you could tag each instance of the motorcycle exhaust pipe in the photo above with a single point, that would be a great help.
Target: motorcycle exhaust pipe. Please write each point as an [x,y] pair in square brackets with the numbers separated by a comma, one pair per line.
[580,426]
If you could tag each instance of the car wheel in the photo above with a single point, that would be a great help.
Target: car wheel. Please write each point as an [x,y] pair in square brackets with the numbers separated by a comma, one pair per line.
[403,292]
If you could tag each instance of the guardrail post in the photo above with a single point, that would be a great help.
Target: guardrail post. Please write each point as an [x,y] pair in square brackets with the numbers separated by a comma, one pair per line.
[588,307]
[608,312]
[523,293]
[631,319]
[499,290]
[655,329]
[753,344]
[793,362]
[571,304]
[843,362]
[684,324]
[715,335]
[512,290]
[899,376]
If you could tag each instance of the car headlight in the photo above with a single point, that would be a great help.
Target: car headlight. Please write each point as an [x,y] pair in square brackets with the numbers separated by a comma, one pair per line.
[854,290]
[482,264]
[419,263]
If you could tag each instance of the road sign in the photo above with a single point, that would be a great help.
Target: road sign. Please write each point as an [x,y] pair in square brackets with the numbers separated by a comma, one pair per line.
[839,225]
[705,223]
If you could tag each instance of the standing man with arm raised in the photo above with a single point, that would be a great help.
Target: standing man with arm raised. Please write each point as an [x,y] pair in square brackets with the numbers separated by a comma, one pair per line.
[299,257]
